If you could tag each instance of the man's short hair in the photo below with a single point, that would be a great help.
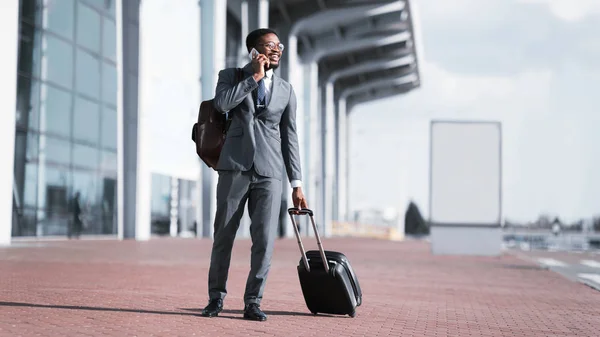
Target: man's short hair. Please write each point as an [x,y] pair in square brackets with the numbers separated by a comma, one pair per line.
[255,35]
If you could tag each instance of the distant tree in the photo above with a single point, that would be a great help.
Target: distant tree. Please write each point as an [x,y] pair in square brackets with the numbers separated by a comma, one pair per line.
[414,222]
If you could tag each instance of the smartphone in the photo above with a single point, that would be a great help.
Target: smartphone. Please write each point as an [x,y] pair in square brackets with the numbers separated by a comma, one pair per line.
[253,53]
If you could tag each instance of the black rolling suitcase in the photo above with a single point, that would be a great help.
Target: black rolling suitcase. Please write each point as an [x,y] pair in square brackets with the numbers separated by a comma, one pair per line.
[328,288]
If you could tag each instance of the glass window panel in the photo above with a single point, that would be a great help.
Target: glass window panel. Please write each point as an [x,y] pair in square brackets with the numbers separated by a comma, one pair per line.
[31,183]
[28,96]
[57,151]
[55,177]
[30,47]
[88,28]
[60,15]
[32,146]
[27,223]
[57,61]
[99,4]
[161,195]
[109,128]
[109,83]
[86,119]
[88,74]
[54,199]
[109,198]
[86,183]
[85,156]
[109,39]
[55,111]
[108,163]
[110,8]
[29,11]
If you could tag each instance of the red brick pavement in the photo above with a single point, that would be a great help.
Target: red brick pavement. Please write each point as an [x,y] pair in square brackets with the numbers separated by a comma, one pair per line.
[156,288]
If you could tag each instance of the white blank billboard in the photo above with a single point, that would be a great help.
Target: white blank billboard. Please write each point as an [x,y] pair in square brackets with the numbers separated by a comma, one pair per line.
[465,173]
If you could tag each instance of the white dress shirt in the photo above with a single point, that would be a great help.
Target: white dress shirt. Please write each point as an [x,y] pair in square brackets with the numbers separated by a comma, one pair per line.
[268,80]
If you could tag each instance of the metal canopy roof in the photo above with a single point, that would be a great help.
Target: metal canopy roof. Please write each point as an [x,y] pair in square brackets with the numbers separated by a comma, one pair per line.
[289,12]
[369,77]
[376,93]
[355,43]
[358,34]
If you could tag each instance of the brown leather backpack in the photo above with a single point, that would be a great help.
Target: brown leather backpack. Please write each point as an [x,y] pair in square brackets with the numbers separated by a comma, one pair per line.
[211,129]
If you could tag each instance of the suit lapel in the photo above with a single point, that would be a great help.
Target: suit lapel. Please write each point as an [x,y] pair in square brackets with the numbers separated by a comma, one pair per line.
[275,89]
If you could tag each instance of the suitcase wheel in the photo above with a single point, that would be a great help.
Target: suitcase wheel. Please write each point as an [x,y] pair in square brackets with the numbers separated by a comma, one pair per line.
[353,314]
[314,313]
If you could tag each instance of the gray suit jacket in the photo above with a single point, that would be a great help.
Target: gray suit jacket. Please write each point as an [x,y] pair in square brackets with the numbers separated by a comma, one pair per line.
[266,138]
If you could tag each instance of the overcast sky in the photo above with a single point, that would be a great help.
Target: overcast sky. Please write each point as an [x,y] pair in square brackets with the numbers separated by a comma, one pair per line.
[534,65]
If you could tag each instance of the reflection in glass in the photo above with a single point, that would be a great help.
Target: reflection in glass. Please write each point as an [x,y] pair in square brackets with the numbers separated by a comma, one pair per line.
[86,183]
[28,97]
[57,64]
[53,183]
[161,204]
[56,151]
[109,128]
[55,111]
[108,163]
[109,39]
[32,150]
[88,74]
[60,17]
[30,190]
[88,28]
[29,50]
[59,132]
[86,120]
[109,83]
[85,156]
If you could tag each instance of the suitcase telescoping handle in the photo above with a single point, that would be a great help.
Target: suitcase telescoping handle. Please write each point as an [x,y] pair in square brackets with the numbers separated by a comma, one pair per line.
[297,211]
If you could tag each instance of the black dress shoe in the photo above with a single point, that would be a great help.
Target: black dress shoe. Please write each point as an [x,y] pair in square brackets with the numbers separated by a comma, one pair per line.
[252,311]
[213,308]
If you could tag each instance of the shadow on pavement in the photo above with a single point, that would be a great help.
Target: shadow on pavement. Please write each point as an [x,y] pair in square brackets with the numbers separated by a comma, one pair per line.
[78,307]
[241,312]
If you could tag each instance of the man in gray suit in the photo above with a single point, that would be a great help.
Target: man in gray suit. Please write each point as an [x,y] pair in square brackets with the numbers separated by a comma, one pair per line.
[261,140]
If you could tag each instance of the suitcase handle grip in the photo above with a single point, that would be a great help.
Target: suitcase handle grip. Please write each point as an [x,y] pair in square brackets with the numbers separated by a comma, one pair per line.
[296,211]
[300,211]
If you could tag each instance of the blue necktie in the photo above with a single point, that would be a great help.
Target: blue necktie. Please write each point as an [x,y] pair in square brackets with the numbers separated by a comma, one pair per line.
[261,93]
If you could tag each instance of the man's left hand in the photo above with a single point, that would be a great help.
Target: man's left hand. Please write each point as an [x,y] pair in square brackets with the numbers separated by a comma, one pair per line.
[298,198]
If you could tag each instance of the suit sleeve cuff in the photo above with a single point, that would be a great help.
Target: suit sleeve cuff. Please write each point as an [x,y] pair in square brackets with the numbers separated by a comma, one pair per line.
[296,183]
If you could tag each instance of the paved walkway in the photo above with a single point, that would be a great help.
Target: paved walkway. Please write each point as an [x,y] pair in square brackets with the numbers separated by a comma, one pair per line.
[98,288]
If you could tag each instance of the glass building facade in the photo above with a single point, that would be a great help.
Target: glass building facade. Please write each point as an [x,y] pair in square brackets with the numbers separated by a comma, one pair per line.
[66,120]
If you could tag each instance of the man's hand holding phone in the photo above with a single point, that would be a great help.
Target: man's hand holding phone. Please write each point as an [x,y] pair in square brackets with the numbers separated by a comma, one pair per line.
[259,63]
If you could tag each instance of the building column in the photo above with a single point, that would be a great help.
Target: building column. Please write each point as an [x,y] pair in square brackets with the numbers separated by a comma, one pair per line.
[296,79]
[291,70]
[258,15]
[130,185]
[342,160]
[347,159]
[311,160]
[328,158]
[213,18]
[9,40]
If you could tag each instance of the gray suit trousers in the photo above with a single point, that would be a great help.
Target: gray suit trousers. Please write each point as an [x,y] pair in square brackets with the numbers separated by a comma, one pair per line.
[263,195]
